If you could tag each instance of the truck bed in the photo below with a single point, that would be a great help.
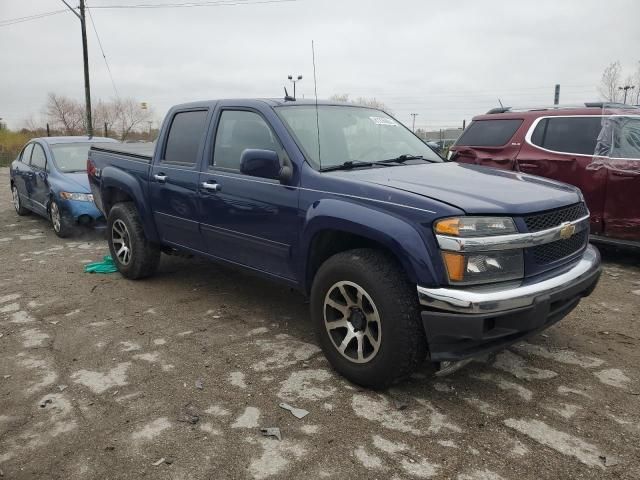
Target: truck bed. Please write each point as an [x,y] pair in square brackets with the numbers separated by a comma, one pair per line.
[141,151]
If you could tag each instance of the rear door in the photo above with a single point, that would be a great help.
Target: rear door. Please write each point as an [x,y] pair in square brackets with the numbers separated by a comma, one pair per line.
[622,208]
[22,175]
[489,142]
[173,180]
[39,191]
[561,148]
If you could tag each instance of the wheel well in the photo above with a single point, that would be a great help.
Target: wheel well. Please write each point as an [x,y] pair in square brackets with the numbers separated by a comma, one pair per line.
[113,195]
[329,242]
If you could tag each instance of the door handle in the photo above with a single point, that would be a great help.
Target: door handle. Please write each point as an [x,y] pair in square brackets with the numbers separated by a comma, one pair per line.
[211,187]
[160,177]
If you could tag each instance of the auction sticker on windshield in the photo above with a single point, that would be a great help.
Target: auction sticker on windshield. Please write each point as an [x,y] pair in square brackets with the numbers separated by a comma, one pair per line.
[383,121]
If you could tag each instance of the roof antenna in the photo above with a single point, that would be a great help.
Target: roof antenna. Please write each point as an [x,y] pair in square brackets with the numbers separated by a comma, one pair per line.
[287,97]
[501,106]
[315,91]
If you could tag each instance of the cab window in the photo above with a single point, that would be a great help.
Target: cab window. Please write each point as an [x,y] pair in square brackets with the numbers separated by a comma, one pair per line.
[577,135]
[185,135]
[237,131]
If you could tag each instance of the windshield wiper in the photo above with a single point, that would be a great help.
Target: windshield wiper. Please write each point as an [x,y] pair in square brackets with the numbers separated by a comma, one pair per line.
[348,165]
[402,158]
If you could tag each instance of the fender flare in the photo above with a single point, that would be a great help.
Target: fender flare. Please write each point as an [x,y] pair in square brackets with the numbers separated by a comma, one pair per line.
[391,231]
[116,178]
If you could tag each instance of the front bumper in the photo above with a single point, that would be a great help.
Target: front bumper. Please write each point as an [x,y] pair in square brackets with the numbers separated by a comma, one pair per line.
[460,323]
[83,213]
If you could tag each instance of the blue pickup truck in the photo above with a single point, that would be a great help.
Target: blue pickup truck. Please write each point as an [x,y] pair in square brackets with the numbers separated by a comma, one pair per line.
[404,256]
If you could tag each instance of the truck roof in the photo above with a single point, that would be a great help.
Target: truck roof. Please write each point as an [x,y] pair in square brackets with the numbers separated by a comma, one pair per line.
[273,102]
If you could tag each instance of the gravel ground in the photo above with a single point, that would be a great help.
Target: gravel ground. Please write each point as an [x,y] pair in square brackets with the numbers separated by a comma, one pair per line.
[172,377]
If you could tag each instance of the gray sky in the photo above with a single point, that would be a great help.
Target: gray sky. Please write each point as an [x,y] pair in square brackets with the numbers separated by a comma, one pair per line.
[444,60]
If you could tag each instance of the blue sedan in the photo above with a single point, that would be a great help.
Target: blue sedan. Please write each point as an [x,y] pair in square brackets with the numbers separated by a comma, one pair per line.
[49,178]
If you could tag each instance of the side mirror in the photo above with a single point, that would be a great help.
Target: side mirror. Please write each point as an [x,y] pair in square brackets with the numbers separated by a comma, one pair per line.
[264,164]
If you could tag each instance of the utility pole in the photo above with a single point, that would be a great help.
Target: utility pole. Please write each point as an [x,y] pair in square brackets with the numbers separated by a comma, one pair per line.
[556,95]
[626,88]
[85,58]
[413,127]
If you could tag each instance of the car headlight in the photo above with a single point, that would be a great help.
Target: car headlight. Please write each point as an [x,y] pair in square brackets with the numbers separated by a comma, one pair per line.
[80,197]
[468,268]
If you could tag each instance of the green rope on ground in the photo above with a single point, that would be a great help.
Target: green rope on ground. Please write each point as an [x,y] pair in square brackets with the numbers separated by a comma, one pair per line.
[106,266]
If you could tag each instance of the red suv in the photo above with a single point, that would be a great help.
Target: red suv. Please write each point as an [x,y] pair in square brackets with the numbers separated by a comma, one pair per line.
[595,147]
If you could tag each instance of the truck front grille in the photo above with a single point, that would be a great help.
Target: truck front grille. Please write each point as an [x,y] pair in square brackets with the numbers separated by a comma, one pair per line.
[551,252]
[543,221]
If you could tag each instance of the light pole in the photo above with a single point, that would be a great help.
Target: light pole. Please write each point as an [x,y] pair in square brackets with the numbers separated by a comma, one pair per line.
[294,80]
[626,88]
[413,127]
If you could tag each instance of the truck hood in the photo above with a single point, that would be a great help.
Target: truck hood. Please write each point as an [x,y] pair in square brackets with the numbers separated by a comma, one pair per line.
[472,188]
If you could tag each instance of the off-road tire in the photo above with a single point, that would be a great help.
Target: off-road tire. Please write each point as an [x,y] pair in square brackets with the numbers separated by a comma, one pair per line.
[403,346]
[144,255]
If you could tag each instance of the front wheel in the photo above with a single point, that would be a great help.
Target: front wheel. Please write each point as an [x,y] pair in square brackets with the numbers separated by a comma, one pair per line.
[134,256]
[366,315]
[62,226]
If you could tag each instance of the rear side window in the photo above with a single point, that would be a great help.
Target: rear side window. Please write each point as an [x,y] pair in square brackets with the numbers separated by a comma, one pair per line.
[38,158]
[26,154]
[489,133]
[185,135]
[568,134]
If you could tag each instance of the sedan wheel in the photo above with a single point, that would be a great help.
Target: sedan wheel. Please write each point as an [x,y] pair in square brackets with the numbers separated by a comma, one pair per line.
[17,204]
[56,220]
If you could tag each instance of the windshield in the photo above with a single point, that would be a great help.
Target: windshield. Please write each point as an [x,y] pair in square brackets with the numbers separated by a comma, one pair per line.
[351,134]
[71,157]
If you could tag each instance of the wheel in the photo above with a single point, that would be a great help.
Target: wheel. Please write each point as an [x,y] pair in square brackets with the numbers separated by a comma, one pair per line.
[134,256]
[366,315]
[17,204]
[62,226]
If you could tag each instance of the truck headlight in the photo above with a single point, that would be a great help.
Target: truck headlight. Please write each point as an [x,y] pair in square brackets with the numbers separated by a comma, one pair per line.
[476,226]
[484,267]
[80,197]
[468,268]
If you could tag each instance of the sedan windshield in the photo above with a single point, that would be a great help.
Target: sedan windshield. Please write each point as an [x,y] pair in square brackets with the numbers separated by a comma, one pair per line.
[71,157]
[352,135]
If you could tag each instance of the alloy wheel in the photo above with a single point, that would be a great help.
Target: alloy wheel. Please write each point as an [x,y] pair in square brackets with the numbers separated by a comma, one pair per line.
[352,322]
[55,217]
[121,241]
[15,198]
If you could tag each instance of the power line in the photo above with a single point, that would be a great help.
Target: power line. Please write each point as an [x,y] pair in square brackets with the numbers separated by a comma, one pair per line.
[219,3]
[13,21]
[103,54]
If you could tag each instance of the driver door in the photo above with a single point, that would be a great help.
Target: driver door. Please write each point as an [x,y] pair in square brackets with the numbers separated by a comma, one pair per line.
[247,220]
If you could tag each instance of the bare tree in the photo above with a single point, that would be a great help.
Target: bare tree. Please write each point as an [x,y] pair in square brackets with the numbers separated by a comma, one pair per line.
[610,82]
[365,102]
[65,113]
[130,116]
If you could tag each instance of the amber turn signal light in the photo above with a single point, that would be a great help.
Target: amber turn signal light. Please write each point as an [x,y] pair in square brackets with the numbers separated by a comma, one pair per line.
[455,265]
[448,226]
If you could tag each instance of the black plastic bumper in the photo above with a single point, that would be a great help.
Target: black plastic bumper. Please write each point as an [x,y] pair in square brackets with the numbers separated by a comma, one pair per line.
[455,336]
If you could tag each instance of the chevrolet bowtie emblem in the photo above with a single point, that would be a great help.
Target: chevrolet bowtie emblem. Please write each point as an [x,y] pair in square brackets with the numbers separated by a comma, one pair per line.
[567,231]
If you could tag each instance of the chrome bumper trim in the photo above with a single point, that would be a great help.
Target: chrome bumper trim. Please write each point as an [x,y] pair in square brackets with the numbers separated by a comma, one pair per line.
[516,240]
[501,298]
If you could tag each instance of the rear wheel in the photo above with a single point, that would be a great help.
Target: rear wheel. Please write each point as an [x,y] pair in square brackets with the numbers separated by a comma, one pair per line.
[366,315]
[62,225]
[17,203]
[134,256]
